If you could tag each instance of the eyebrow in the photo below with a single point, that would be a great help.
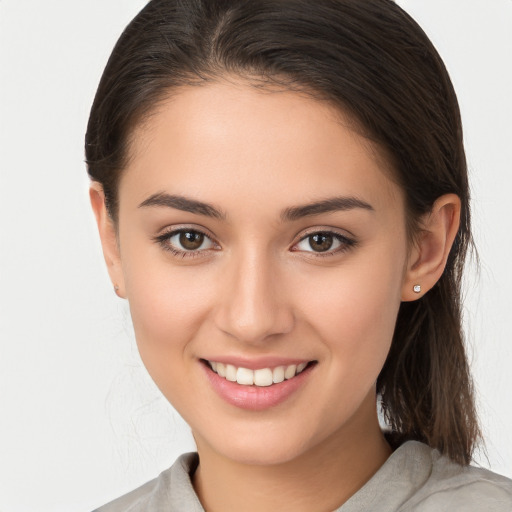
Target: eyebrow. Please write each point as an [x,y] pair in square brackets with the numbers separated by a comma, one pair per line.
[292,213]
[325,206]
[184,204]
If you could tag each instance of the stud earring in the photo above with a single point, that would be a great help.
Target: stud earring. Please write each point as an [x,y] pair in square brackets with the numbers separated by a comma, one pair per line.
[417,288]
[116,290]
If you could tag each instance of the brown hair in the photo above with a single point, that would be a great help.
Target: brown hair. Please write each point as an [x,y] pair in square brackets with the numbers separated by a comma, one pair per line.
[371,60]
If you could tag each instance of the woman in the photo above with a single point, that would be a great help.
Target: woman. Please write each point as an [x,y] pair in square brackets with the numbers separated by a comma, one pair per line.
[281,194]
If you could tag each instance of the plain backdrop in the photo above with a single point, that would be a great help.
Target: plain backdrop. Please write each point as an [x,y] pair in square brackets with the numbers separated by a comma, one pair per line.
[80,422]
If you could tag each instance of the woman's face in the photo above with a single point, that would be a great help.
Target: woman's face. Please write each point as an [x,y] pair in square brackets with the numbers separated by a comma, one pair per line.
[258,232]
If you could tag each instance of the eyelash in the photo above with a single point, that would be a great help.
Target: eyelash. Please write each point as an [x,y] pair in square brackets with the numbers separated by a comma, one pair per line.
[164,241]
[345,243]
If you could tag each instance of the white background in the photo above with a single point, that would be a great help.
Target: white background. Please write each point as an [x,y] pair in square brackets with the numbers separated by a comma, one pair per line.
[80,422]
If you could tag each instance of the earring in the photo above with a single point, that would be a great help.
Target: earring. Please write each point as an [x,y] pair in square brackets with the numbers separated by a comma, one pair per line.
[116,290]
[417,288]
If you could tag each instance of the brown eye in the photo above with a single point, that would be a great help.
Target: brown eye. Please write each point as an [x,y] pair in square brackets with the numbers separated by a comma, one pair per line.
[321,242]
[186,242]
[324,243]
[191,240]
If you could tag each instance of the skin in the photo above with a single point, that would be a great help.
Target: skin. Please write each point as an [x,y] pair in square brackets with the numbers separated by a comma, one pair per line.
[260,289]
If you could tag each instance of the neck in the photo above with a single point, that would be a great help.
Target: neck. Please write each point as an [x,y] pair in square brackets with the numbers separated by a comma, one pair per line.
[321,479]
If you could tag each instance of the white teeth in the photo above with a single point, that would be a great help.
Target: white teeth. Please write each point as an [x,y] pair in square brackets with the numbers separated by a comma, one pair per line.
[289,373]
[245,376]
[278,374]
[262,377]
[230,373]
[221,369]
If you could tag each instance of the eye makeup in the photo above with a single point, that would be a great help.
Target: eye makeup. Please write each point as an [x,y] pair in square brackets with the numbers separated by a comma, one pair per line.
[186,242]
[324,243]
[194,242]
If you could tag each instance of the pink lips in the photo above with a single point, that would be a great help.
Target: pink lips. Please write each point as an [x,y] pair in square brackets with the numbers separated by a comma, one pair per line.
[255,398]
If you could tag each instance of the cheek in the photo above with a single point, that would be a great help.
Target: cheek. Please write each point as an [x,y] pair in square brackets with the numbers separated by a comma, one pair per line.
[168,306]
[161,293]
[354,312]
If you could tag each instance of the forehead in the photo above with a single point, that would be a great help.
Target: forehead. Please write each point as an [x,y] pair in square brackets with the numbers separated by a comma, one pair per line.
[229,140]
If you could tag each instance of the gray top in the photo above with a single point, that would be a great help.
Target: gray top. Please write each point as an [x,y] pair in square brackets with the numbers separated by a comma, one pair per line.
[414,478]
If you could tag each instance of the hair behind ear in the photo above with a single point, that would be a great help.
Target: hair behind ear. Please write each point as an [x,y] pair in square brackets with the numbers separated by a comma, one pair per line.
[425,384]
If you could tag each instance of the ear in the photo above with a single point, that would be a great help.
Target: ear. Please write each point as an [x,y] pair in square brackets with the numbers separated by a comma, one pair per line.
[427,259]
[108,236]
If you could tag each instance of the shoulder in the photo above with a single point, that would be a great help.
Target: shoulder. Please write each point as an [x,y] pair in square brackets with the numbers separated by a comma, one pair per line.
[455,488]
[171,490]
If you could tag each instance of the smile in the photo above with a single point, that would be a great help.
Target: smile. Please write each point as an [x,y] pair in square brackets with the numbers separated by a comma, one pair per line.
[262,377]
[267,383]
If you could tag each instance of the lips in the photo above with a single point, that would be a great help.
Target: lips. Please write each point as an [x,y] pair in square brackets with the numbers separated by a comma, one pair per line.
[266,384]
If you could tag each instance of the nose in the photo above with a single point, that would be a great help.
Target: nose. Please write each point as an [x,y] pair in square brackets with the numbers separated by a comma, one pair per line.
[253,305]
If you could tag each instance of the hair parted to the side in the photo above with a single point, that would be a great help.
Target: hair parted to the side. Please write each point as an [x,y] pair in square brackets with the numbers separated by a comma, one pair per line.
[373,62]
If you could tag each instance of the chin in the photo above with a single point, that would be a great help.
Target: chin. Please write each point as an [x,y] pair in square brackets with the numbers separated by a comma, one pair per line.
[261,445]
